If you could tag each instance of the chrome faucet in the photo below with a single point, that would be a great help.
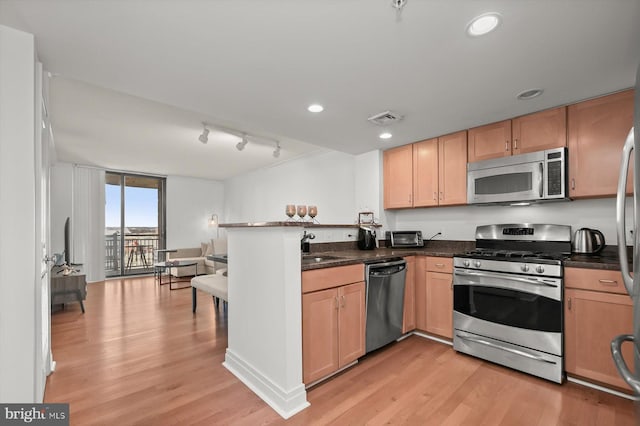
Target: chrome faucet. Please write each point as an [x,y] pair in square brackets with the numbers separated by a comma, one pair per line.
[304,242]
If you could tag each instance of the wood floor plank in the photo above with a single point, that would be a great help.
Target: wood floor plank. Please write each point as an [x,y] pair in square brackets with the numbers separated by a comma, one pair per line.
[138,356]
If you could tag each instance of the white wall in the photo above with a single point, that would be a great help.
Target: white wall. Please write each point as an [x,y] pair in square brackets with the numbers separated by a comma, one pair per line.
[18,278]
[326,180]
[61,203]
[190,203]
[458,223]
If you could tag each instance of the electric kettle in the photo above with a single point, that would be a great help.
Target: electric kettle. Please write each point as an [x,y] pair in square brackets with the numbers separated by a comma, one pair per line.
[588,241]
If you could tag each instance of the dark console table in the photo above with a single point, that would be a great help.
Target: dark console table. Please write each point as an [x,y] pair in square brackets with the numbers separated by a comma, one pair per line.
[68,288]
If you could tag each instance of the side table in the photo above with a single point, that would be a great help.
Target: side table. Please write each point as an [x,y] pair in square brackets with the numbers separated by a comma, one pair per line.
[68,288]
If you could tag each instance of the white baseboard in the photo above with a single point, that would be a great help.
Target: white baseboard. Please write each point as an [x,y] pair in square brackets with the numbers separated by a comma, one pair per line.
[603,389]
[285,402]
[427,336]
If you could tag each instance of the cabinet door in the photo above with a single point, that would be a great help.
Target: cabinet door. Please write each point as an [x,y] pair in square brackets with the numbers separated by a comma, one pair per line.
[421,293]
[538,131]
[597,130]
[490,141]
[398,177]
[592,320]
[452,151]
[409,313]
[425,173]
[440,304]
[351,323]
[319,334]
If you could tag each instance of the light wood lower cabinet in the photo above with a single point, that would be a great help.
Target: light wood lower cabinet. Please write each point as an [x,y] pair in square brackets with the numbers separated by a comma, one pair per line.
[596,309]
[409,312]
[421,293]
[440,304]
[333,329]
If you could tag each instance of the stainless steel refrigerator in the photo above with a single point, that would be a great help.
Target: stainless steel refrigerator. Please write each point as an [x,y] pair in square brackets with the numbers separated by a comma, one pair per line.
[631,282]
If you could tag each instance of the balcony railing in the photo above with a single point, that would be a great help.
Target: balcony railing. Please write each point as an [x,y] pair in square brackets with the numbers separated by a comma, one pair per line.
[139,253]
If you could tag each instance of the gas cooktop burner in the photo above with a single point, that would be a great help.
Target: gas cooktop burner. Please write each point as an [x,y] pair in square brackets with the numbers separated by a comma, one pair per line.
[513,255]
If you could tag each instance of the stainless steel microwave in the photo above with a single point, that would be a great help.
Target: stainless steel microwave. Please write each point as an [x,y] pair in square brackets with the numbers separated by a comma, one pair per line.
[526,178]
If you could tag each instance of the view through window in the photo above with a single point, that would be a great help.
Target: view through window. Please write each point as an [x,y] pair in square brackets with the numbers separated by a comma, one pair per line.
[134,223]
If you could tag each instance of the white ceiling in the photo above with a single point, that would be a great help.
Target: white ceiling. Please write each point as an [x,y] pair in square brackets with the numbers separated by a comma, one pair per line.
[255,66]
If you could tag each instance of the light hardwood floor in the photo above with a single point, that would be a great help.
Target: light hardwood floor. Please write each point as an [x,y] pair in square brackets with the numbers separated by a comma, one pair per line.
[139,356]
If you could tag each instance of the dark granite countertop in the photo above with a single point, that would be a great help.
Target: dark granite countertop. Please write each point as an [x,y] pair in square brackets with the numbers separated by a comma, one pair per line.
[606,260]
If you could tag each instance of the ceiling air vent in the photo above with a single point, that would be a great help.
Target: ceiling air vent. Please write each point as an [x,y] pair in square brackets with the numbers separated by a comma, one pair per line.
[385,118]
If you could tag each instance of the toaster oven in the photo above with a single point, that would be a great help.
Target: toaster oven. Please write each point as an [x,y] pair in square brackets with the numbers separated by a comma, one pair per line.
[400,239]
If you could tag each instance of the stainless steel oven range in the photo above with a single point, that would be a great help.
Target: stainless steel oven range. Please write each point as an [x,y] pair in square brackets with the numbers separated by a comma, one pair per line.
[508,297]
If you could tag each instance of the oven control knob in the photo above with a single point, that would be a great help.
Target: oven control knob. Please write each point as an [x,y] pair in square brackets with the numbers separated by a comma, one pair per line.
[525,268]
[477,263]
[539,269]
[466,263]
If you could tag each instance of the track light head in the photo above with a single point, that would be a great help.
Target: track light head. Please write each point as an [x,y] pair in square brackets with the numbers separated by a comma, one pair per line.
[204,137]
[240,145]
[276,152]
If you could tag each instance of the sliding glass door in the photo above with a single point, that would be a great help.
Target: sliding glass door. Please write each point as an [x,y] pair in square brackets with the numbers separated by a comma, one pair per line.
[134,223]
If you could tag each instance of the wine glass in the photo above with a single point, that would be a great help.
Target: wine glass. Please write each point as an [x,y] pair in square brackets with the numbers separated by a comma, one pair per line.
[313,212]
[290,210]
[302,212]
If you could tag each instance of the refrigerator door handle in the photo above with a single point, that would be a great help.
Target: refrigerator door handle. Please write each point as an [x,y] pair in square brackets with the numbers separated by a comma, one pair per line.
[621,365]
[620,213]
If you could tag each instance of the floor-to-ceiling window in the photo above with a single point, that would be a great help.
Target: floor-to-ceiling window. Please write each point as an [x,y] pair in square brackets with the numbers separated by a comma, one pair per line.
[134,223]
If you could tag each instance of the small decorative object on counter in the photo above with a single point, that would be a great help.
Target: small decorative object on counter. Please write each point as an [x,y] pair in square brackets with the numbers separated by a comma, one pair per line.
[290,210]
[365,218]
[302,212]
[313,212]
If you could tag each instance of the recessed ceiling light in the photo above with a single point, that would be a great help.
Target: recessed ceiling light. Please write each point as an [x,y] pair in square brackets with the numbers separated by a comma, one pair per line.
[315,108]
[483,24]
[385,135]
[529,94]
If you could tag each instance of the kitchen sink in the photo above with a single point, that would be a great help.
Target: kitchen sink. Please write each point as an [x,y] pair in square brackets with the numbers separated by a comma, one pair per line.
[316,259]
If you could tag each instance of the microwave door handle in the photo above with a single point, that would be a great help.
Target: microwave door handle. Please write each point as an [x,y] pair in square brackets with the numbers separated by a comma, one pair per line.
[620,213]
[541,180]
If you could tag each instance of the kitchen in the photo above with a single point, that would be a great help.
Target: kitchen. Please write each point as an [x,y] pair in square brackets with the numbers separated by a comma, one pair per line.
[356,184]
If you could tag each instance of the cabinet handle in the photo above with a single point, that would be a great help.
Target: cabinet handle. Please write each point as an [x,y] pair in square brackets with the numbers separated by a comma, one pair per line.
[440,265]
[506,145]
[337,303]
[573,183]
[441,195]
[435,195]
[409,197]
[612,283]
[569,303]
[343,301]
[515,144]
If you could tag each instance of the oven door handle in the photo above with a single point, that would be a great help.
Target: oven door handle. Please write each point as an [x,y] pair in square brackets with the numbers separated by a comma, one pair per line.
[519,279]
[502,348]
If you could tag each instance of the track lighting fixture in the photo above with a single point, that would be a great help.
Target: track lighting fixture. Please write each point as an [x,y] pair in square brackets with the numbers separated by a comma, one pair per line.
[204,137]
[240,145]
[276,152]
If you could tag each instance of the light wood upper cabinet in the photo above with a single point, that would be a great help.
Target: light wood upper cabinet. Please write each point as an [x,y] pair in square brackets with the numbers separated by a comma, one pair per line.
[425,173]
[398,177]
[490,141]
[409,312]
[452,169]
[592,320]
[351,323]
[539,131]
[421,293]
[528,133]
[597,130]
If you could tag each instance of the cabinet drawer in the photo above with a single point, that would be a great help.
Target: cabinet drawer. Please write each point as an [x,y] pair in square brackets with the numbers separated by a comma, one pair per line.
[594,279]
[320,279]
[440,264]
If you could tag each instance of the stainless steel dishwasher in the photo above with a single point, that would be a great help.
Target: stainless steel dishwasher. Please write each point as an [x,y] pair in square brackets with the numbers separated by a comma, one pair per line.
[385,302]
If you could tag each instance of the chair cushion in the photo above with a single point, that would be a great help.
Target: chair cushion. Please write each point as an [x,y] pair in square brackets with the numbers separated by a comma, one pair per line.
[214,284]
